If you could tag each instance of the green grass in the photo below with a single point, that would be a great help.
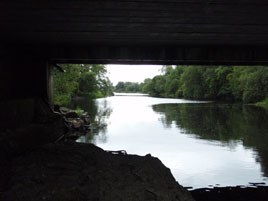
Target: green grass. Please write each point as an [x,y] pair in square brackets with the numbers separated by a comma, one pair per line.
[79,111]
[263,103]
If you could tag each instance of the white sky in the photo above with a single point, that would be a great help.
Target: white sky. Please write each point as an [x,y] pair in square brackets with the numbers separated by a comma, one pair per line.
[132,73]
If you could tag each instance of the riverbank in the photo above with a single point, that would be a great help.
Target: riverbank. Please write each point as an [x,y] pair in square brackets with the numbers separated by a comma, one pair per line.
[71,171]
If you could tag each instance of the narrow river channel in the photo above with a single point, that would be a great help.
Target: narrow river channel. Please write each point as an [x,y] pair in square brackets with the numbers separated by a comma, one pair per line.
[203,143]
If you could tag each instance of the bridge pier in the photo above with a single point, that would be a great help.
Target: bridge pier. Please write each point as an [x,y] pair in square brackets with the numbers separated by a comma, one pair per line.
[23,79]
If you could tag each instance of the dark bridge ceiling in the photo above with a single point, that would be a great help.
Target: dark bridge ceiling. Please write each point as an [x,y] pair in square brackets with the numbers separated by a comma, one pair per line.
[152,31]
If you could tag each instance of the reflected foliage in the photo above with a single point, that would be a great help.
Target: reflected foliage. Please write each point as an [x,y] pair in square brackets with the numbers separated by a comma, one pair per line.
[98,111]
[225,123]
[86,104]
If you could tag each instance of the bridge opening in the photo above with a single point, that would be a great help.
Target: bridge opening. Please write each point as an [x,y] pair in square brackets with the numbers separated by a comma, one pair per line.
[184,108]
[35,124]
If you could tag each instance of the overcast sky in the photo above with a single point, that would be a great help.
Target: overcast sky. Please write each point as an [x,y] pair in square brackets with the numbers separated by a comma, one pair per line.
[132,73]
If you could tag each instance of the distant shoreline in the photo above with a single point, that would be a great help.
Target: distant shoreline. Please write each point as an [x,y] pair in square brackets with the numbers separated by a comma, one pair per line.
[129,94]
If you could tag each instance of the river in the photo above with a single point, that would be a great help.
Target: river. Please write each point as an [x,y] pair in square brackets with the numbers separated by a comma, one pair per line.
[203,143]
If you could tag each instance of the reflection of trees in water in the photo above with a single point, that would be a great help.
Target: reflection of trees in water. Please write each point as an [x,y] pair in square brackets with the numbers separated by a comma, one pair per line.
[226,123]
[89,137]
[99,111]
[103,111]
[86,104]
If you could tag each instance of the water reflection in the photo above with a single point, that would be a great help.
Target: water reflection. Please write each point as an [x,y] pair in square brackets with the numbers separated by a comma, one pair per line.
[202,143]
[88,105]
[230,124]
[98,111]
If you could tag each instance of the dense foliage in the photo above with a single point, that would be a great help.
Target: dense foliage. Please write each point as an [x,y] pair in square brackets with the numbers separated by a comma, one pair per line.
[127,87]
[247,84]
[81,80]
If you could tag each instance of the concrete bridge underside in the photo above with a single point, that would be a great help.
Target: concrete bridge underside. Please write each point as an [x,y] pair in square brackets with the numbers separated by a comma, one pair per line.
[37,34]
[137,31]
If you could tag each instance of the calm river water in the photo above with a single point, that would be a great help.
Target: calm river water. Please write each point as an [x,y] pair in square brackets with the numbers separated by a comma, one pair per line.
[203,143]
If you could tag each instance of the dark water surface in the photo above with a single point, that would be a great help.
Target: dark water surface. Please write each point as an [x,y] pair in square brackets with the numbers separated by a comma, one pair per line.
[203,143]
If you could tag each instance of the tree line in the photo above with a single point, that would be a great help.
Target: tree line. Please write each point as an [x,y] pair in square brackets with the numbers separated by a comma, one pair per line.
[128,87]
[81,80]
[248,84]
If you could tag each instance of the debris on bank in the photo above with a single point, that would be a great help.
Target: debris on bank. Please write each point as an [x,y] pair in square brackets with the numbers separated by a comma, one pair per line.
[78,124]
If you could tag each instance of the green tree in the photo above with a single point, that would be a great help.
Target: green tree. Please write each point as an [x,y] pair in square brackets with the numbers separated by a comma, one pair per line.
[120,87]
[66,84]
[158,86]
[81,80]
[147,86]
[172,83]
[192,83]
[223,86]
[88,83]
[256,86]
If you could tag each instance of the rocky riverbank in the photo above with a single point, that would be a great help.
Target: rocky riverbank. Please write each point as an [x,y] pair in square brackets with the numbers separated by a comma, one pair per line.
[78,123]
